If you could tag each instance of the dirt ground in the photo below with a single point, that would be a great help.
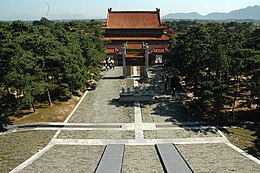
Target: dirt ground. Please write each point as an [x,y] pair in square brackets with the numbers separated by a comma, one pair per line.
[19,146]
[58,112]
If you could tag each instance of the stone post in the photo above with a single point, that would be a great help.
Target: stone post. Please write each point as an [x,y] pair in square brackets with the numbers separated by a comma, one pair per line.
[124,61]
[146,60]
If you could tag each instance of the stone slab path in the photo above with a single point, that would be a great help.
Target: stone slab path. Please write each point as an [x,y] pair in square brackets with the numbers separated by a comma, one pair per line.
[112,159]
[99,119]
[172,159]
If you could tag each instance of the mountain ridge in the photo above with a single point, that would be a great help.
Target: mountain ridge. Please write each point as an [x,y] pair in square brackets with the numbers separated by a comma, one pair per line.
[250,12]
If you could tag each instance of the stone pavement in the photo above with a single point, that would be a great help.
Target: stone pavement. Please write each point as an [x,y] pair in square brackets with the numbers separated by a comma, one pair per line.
[99,119]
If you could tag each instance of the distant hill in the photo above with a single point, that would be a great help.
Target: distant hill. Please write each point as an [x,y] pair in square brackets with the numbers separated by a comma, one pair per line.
[67,16]
[192,15]
[245,13]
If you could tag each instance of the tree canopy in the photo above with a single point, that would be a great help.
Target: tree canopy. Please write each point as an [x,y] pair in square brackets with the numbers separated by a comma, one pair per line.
[219,63]
[45,60]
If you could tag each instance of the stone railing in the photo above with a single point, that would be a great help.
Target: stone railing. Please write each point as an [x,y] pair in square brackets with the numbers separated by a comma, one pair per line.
[136,95]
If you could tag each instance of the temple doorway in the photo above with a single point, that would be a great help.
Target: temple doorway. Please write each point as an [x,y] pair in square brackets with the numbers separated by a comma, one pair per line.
[135,71]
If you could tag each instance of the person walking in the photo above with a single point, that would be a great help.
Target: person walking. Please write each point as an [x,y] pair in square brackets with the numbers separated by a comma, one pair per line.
[166,80]
[110,64]
[113,64]
[107,65]
[175,84]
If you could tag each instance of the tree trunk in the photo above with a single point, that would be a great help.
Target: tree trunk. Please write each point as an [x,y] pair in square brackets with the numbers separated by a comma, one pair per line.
[49,97]
[33,106]
[235,97]
[46,79]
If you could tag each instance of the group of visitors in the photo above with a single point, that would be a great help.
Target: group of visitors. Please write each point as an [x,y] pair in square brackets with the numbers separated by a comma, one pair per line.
[109,64]
[173,80]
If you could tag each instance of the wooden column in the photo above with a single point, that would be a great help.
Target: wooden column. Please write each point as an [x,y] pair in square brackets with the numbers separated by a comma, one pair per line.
[124,61]
[146,60]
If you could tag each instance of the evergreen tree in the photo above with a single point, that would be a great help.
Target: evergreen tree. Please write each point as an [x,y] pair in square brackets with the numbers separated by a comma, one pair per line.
[46,58]
[219,62]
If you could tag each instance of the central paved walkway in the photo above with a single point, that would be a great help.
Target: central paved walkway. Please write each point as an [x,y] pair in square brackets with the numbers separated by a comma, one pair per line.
[99,119]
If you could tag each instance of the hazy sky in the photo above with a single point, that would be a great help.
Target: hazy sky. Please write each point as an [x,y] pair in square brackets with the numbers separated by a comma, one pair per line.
[10,9]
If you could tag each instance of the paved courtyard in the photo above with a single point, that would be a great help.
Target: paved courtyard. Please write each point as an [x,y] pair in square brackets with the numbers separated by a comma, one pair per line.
[100,119]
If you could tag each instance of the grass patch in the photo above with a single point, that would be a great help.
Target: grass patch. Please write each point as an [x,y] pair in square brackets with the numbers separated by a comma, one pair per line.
[245,138]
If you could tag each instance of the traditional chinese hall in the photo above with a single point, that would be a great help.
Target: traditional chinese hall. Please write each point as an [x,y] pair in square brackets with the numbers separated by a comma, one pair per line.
[136,39]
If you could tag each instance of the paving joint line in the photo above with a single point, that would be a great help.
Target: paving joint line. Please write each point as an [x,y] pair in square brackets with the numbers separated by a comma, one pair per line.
[137,142]
[76,107]
[111,126]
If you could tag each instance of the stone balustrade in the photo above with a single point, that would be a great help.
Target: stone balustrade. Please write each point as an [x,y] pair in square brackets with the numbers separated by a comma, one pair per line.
[136,95]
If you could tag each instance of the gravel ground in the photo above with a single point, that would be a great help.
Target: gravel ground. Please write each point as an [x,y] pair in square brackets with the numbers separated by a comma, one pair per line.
[67,159]
[220,158]
[97,134]
[18,147]
[102,105]
[179,133]
[164,107]
[146,116]
[141,159]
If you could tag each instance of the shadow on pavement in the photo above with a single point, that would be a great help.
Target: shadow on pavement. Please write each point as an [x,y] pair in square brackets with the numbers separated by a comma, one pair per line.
[116,103]
[116,77]
[167,105]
